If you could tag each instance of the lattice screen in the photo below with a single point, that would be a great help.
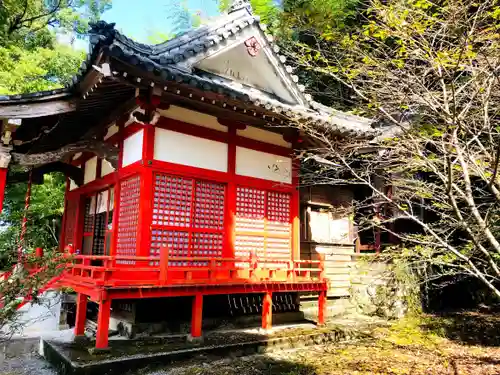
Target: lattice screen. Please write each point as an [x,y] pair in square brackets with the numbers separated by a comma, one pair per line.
[70,222]
[128,217]
[188,217]
[263,224]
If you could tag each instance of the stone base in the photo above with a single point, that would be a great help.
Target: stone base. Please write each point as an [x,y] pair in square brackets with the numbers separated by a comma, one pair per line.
[126,356]
[98,351]
[194,340]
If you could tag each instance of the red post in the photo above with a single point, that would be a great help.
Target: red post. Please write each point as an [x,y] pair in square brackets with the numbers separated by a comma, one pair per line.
[267,310]
[3,180]
[321,266]
[322,307]
[81,314]
[24,225]
[231,196]
[145,214]
[163,264]
[103,324]
[197,316]
[39,252]
[295,211]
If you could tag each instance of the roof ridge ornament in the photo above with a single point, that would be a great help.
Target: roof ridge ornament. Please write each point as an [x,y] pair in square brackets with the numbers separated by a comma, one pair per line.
[240,4]
[101,31]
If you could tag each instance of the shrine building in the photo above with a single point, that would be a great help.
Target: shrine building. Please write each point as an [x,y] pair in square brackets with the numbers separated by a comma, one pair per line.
[182,179]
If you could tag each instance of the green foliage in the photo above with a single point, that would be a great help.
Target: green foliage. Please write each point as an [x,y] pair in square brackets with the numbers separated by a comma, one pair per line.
[31,23]
[32,60]
[24,71]
[44,217]
[266,9]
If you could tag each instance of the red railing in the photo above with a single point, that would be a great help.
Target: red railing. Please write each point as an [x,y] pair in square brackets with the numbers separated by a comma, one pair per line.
[164,270]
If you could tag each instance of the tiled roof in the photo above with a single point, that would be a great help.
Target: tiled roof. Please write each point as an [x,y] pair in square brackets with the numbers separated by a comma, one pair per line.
[165,61]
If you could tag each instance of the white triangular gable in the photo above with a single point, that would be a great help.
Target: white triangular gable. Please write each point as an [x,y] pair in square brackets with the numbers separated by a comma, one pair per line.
[250,64]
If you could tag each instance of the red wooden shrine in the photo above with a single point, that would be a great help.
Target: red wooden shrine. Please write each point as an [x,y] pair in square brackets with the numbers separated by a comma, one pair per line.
[159,229]
[180,166]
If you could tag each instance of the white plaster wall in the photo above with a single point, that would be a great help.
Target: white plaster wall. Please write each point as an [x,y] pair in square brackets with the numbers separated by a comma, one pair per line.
[72,185]
[106,168]
[259,164]
[263,136]
[178,148]
[132,148]
[90,170]
[193,117]
[112,130]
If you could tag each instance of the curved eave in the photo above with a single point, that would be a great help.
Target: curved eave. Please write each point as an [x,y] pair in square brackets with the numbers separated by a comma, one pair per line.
[40,104]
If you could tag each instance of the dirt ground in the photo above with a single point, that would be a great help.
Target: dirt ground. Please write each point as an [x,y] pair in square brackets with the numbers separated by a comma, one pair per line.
[456,344]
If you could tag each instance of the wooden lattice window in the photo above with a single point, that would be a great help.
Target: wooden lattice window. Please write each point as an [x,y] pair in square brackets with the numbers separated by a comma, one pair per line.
[98,223]
[128,219]
[188,218]
[263,224]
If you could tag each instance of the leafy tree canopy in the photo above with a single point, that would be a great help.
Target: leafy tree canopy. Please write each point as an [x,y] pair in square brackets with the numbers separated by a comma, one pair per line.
[32,59]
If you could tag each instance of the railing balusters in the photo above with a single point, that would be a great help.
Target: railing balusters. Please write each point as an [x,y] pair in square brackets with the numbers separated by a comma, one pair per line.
[258,270]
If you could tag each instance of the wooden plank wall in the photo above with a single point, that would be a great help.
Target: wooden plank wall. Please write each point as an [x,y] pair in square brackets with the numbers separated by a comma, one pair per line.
[338,257]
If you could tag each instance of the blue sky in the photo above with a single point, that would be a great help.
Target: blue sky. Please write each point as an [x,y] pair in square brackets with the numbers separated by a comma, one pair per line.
[138,19]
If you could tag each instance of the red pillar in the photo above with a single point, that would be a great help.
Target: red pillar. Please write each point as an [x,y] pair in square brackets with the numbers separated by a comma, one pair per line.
[103,324]
[81,314]
[197,315]
[231,196]
[267,310]
[3,180]
[295,211]
[321,307]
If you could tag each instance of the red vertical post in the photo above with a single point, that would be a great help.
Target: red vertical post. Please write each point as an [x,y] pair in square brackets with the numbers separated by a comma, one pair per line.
[79,223]
[81,314]
[163,265]
[295,211]
[114,221]
[3,181]
[197,316]
[103,324]
[146,202]
[64,218]
[322,273]
[39,252]
[229,249]
[267,310]
[322,307]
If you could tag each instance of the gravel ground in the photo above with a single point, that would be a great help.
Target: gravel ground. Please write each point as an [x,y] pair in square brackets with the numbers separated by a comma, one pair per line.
[20,357]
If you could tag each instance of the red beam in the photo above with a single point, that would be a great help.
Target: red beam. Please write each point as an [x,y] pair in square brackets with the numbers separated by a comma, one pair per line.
[149,291]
